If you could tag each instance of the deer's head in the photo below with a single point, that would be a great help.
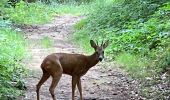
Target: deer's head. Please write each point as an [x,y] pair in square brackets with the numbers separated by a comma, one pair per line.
[99,49]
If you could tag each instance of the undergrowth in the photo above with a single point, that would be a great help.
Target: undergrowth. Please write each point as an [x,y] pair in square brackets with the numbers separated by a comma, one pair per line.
[39,13]
[81,8]
[139,35]
[134,64]
[138,31]
[12,48]
[33,13]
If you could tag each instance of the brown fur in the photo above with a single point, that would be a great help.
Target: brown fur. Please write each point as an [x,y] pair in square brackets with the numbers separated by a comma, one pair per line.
[72,64]
[75,65]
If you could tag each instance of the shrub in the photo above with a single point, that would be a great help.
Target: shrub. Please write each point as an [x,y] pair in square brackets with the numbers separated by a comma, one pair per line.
[11,70]
[34,13]
[139,31]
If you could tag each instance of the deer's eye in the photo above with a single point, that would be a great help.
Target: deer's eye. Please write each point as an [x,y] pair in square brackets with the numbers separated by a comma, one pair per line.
[103,52]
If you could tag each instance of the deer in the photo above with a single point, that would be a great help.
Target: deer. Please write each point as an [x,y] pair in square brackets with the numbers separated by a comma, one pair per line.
[75,65]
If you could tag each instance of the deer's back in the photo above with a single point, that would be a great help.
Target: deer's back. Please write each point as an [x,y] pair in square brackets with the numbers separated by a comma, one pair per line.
[72,64]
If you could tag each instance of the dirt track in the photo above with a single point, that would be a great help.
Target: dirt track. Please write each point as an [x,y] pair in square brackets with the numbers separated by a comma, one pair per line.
[98,84]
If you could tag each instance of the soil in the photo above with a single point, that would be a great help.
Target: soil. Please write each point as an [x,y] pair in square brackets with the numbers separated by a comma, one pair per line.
[105,81]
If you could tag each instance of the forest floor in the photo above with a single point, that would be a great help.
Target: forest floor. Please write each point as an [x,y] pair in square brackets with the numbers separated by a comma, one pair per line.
[105,81]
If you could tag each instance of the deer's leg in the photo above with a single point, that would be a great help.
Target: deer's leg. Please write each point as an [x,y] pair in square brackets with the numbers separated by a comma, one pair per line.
[43,79]
[55,80]
[56,73]
[79,88]
[74,82]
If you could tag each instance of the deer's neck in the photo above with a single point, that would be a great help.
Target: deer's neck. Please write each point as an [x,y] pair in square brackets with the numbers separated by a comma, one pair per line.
[92,60]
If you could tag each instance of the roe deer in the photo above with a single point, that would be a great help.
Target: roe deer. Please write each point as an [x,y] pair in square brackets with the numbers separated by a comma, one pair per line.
[75,65]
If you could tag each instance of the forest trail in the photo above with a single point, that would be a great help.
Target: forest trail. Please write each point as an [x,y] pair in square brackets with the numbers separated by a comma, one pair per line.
[105,81]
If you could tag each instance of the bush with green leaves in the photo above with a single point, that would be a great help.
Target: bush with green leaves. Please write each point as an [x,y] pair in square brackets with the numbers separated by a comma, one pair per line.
[12,48]
[139,31]
[129,26]
[33,13]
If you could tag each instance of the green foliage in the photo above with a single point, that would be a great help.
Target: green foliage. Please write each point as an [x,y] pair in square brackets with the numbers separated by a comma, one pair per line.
[38,13]
[164,60]
[80,24]
[13,2]
[2,3]
[5,23]
[127,30]
[33,13]
[129,26]
[11,70]
[139,31]
[82,40]
[74,8]
[70,9]
[134,64]
[70,1]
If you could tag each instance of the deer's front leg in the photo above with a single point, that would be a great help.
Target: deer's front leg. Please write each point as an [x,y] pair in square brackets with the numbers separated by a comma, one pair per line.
[79,88]
[74,82]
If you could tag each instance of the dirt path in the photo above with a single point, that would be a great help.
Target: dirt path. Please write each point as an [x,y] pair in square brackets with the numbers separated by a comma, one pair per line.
[98,84]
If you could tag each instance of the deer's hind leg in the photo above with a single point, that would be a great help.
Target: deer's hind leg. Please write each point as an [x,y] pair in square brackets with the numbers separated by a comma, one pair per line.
[56,73]
[44,77]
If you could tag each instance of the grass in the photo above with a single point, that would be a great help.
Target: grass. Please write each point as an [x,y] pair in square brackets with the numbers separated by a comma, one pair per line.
[71,9]
[12,50]
[34,13]
[47,42]
[146,71]
[83,41]
[136,65]
[77,9]
[39,13]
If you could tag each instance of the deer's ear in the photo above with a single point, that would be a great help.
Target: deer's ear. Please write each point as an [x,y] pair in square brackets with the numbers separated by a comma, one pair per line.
[93,44]
[106,44]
